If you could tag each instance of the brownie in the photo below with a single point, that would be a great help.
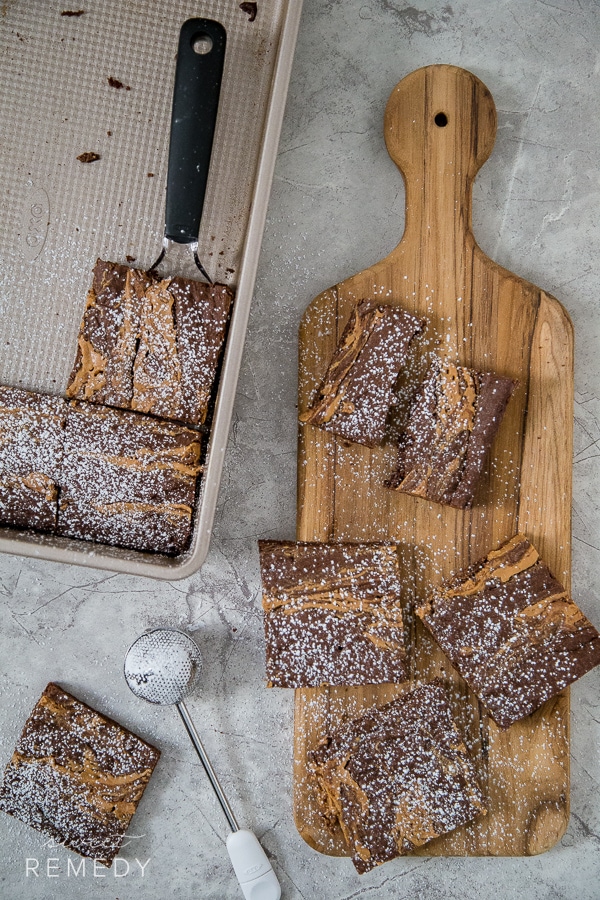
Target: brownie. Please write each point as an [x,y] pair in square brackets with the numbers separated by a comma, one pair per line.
[356,394]
[76,775]
[332,613]
[511,630]
[127,479]
[451,425]
[150,344]
[397,777]
[31,438]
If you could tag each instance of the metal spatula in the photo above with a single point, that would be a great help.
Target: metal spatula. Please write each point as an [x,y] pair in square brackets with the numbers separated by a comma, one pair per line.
[163,666]
[198,74]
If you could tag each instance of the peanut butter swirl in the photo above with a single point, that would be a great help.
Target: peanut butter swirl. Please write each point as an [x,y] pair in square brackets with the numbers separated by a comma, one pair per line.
[117,795]
[183,459]
[331,777]
[515,556]
[455,411]
[41,484]
[351,592]
[330,398]
[172,511]
[90,376]
[157,369]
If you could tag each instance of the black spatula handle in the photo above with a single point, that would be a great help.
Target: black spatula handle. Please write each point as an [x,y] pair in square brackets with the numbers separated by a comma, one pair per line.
[195,104]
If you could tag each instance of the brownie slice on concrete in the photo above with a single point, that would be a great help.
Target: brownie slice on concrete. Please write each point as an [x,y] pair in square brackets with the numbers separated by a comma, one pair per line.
[77,775]
[511,630]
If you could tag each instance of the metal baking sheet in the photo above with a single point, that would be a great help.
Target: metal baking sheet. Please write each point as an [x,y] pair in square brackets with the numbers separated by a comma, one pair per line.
[59,214]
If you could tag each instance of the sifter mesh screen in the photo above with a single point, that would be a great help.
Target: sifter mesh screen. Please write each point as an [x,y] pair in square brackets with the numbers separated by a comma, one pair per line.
[163,666]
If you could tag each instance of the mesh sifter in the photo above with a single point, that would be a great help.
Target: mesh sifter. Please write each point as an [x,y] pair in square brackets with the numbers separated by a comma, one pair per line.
[163,666]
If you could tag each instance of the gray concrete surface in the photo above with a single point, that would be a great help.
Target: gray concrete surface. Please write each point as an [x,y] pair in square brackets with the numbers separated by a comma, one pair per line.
[336,206]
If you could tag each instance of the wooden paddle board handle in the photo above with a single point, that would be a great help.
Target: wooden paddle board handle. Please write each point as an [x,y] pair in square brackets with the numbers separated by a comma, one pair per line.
[440,127]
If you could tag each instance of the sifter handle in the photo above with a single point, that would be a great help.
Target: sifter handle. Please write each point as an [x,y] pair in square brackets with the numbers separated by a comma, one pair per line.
[252,867]
[195,104]
[212,776]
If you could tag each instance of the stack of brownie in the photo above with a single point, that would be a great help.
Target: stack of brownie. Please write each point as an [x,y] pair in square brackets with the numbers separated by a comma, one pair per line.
[119,464]
[452,420]
[400,775]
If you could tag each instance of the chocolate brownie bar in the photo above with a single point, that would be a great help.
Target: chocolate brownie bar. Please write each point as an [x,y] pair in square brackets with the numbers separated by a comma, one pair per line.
[451,425]
[332,614]
[356,394]
[511,630]
[397,777]
[31,438]
[150,344]
[76,775]
[127,479]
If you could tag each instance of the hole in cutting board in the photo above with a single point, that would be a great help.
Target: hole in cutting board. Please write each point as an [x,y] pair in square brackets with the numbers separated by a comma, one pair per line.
[202,44]
[441,120]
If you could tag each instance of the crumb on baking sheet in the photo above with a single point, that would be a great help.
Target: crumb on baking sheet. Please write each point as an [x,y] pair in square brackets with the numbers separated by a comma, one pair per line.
[251,9]
[116,83]
[88,157]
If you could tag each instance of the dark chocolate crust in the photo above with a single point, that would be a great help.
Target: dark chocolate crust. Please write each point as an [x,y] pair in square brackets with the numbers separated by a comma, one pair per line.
[150,344]
[31,442]
[356,394]
[332,614]
[451,425]
[397,777]
[77,775]
[511,630]
[127,479]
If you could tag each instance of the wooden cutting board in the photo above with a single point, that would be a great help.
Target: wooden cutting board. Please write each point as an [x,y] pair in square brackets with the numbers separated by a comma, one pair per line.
[440,125]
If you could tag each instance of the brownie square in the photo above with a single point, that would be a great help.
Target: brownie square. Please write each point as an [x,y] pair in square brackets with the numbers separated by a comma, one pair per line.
[511,630]
[451,425]
[150,344]
[31,438]
[356,394]
[332,614]
[127,479]
[397,777]
[76,775]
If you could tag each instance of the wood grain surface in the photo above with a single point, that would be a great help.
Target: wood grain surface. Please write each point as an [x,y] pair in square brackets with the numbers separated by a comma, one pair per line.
[440,125]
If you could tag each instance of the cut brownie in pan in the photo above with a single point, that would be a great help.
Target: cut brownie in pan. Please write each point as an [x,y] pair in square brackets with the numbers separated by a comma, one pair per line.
[150,344]
[397,777]
[76,775]
[332,613]
[451,425]
[31,439]
[127,479]
[508,626]
[355,396]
